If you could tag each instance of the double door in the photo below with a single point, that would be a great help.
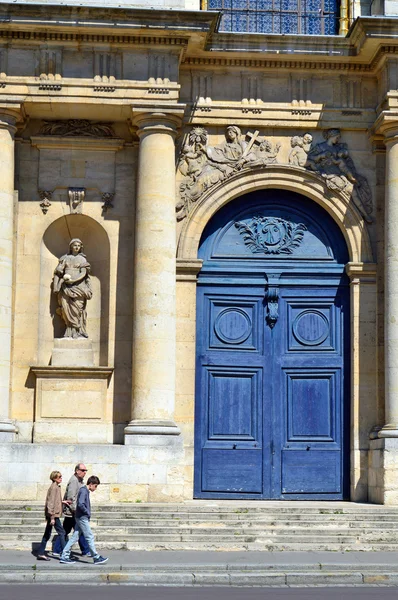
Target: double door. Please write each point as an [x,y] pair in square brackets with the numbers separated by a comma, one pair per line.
[272,391]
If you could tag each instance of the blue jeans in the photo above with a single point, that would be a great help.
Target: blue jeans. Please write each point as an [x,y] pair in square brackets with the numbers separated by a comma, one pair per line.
[47,534]
[82,526]
[69,524]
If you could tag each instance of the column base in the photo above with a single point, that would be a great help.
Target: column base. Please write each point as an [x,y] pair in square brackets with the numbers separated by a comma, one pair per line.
[389,431]
[8,430]
[383,471]
[146,427]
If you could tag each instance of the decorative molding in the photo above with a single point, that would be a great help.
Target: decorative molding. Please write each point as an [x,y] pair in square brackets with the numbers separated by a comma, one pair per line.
[50,87]
[61,36]
[49,63]
[45,197]
[107,198]
[187,270]
[77,127]
[250,63]
[204,166]
[104,88]
[271,235]
[360,272]
[76,199]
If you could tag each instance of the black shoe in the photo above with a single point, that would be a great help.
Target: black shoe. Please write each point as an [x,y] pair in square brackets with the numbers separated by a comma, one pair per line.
[98,560]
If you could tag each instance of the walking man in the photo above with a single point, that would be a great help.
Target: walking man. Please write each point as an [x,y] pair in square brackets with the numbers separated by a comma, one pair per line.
[82,516]
[71,492]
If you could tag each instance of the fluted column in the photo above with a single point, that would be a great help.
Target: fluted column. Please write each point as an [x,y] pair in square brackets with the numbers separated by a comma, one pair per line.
[8,119]
[154,310]
[390,429]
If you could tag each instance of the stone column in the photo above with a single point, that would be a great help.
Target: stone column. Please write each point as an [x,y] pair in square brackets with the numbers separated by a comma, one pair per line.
[8,119]
[154,311]
[390,428]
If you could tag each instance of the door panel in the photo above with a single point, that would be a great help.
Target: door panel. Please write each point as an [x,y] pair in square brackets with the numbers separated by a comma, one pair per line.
[269,400]
[313,385]
[230,376]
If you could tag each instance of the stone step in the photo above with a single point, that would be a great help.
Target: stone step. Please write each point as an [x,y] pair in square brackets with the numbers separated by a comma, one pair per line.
[274,516]
[267,508]
[186,529]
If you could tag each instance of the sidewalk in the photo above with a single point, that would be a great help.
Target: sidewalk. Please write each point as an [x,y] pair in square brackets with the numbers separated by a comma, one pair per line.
[192,568]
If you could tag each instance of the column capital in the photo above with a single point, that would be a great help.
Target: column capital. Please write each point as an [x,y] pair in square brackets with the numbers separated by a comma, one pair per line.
[10,114]
[386,125]
[157,118]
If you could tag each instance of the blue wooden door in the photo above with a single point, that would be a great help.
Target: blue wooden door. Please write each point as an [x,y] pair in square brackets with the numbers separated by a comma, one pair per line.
[272,391]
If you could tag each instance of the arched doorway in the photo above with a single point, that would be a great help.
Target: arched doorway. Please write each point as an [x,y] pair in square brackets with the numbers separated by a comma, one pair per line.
[272,365]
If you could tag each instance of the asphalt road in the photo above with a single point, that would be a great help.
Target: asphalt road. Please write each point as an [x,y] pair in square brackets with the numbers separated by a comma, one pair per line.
[108,592]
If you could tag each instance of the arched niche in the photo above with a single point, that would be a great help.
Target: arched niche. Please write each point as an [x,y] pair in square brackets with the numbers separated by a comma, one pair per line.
[55,243]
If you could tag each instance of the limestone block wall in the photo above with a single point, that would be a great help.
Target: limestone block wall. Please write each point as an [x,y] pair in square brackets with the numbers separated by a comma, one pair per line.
[42,238]
[140,473]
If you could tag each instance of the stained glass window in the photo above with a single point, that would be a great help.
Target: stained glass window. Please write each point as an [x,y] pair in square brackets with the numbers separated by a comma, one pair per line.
[315,17]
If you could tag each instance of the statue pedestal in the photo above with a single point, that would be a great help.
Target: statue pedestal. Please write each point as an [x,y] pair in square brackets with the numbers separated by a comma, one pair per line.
[68,352]
[71,397]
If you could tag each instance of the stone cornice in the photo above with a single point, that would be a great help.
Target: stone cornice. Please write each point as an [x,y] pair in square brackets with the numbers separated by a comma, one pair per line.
[193,34]
[42,17]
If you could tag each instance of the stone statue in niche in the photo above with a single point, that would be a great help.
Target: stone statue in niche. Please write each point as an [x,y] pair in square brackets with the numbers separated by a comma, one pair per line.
[332,161]
[301,145]
[72,285]
[204,165]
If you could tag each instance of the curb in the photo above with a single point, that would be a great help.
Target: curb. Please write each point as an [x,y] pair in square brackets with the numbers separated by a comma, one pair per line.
[204,575]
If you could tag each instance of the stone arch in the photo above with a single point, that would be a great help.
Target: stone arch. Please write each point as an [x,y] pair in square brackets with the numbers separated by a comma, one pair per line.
[294,179]
[55,243]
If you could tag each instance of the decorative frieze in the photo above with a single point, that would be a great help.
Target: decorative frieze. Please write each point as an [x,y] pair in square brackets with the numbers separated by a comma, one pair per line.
[202,86]
[204,166]
[77,127]
[49,63]
[107,66]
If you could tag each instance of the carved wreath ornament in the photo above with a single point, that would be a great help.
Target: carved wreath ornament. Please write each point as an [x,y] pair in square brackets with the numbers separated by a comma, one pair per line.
[271,235]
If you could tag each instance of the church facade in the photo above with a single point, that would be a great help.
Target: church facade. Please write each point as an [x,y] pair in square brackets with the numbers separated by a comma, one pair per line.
[199,237]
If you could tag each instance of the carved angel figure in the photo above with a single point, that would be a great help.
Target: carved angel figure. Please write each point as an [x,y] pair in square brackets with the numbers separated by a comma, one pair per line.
[331,159]
[301,146]
[72,285]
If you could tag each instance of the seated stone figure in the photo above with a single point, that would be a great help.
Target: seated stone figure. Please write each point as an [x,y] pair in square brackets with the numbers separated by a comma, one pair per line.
[332,161]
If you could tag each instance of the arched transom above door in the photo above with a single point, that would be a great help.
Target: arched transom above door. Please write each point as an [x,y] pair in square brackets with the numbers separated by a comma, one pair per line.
[279,177]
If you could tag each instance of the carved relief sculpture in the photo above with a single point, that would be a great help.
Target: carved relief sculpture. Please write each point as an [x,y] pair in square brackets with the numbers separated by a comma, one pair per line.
[301,145]
[332,161]
[271,235]
[72,285]
[77,127]
[204,165]
[45,197]
[107,197]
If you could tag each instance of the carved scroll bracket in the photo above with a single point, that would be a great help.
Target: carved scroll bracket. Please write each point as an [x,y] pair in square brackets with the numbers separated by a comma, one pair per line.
[272,300]
[76,199]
